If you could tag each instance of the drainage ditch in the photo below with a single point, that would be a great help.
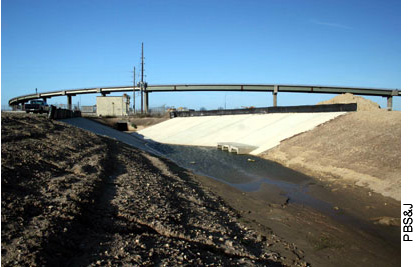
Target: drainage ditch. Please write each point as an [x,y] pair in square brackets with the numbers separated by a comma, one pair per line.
[244,172]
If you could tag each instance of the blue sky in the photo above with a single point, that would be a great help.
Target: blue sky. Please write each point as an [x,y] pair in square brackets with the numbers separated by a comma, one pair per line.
[53,45]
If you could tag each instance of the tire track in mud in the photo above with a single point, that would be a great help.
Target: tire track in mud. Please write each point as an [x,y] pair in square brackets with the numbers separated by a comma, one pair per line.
[43,200]
[80,242]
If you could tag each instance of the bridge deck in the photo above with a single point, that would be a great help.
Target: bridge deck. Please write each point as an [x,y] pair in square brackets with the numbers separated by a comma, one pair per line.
[214,87]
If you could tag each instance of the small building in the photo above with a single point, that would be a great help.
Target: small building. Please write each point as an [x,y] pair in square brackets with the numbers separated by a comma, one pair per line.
[113,105]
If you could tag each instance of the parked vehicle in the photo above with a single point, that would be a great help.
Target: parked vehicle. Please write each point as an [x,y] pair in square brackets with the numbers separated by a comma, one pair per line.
[37,106]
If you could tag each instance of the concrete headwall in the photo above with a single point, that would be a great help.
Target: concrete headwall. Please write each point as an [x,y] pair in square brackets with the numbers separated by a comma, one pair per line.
[263,131]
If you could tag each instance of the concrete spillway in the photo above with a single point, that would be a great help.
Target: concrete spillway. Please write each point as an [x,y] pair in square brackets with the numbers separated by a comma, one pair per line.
[258,131]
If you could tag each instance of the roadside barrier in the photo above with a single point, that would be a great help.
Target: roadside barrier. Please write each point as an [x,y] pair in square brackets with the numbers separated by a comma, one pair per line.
[266,110]
[58,113]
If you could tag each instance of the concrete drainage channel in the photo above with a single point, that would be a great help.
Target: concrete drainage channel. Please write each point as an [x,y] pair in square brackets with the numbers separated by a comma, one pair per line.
[244,172]
[248,131]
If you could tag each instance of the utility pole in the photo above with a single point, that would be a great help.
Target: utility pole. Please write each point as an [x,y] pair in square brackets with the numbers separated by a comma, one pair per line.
[134,90]
[141,82]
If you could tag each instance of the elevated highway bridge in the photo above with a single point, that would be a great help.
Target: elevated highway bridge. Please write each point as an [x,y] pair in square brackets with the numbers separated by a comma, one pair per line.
[273,88]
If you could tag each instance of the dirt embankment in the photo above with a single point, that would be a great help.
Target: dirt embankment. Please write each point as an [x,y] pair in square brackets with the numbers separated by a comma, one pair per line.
[70,197]
[361,148]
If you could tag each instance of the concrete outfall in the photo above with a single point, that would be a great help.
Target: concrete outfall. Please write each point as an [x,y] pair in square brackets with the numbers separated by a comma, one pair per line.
[262,131]
[237,148]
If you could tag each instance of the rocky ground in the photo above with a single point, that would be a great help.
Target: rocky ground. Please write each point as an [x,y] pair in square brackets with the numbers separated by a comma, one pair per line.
[70,197]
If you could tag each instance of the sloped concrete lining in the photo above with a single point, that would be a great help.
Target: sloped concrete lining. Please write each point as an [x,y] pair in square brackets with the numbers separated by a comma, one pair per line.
[263,131]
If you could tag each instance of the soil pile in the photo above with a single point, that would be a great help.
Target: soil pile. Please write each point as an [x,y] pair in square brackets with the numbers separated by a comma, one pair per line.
[362,103]
[361,148]
[70,197]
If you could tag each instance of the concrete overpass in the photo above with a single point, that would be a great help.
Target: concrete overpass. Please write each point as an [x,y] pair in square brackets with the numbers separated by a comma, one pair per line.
[274,89]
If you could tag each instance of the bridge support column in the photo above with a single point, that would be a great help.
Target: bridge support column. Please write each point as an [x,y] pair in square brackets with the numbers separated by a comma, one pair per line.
[390,103]
[274,100]
[146,102]
[276,89]
[69,103]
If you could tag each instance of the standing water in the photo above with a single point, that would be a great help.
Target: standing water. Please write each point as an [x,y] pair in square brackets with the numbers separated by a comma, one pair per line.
[244,172]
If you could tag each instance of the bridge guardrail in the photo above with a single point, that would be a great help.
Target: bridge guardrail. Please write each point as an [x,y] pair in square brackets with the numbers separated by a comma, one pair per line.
[289,109]
[58,113]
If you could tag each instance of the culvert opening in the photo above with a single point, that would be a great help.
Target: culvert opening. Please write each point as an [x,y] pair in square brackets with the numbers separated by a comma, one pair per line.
[121,126]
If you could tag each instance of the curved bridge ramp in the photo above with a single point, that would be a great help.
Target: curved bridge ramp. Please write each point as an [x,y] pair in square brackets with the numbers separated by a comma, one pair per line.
[255,133]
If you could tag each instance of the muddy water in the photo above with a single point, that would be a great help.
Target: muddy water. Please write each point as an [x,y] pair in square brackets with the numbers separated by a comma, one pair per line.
[248,173]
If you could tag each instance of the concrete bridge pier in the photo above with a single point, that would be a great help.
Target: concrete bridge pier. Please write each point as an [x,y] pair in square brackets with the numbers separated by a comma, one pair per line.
[390,103]
[69,102]
[275,90]
[390,99]
[146,101]
[18,107]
